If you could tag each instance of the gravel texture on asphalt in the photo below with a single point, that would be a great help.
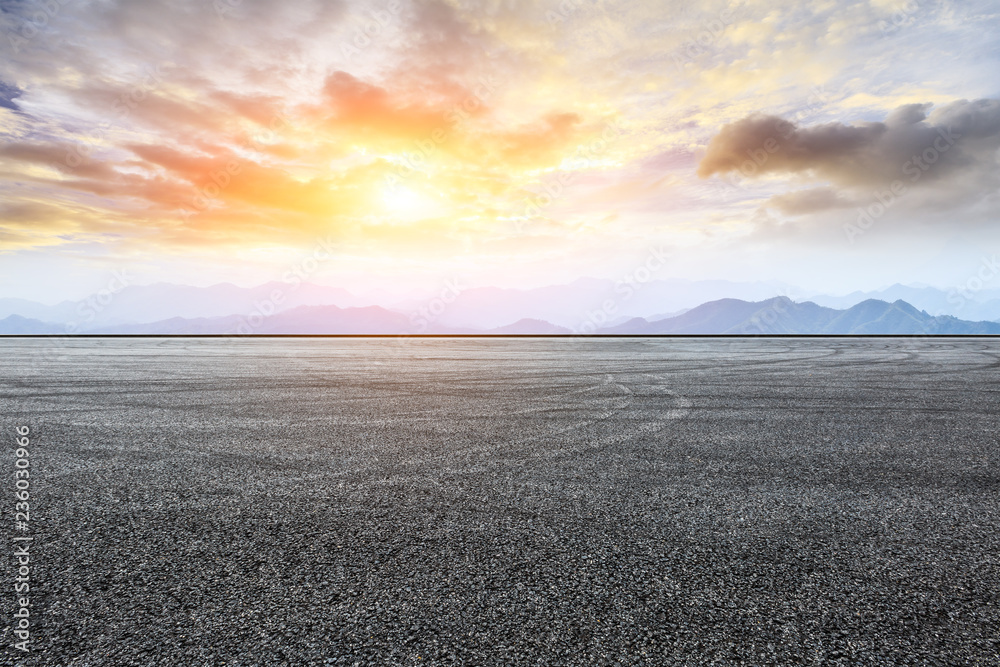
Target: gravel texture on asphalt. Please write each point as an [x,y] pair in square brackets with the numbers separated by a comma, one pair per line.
[507,501]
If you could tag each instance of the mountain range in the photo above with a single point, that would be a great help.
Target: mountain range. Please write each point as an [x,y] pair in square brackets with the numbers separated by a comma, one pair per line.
[781,315]
[585,305]
[774,316]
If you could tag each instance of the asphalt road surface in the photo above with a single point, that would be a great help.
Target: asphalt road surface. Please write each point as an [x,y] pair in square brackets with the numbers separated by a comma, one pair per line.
[506,502]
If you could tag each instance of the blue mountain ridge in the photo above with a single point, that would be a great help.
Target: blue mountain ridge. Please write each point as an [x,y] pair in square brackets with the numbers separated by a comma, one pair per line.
[775,316]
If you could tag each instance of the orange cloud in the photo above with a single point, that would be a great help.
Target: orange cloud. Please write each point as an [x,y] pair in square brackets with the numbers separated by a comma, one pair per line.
[370,110]
[543,142]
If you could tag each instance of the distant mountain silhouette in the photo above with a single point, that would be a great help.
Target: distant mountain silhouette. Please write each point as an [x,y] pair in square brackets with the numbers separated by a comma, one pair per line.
[15,324]
[781,315]
[331,319]
[983,304]
[530,326]
[578,306]
[177,326]
[162,301]
[301,320]
[776,316]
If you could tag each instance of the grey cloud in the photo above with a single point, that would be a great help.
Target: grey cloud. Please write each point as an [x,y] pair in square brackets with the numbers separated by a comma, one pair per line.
[908,114]
[191,38]
[8,94]
[958,140]
[55,155]
[810,201]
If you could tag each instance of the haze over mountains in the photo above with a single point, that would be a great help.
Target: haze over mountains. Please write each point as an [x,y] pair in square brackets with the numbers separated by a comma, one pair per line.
[584,306]
[781,315]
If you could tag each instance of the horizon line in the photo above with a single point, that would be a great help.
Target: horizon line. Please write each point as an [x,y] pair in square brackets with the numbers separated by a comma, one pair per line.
[495,335]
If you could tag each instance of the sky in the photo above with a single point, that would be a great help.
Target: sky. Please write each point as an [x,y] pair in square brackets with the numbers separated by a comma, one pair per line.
[397,145]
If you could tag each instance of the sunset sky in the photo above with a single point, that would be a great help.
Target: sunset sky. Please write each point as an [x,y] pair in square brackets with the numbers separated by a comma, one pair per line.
[830,145]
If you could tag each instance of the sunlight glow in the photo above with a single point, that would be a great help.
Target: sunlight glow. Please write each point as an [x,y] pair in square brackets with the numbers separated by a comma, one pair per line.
[408,204]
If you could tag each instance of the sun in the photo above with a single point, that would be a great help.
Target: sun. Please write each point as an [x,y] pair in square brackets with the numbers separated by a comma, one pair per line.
[405,203]
[401,199]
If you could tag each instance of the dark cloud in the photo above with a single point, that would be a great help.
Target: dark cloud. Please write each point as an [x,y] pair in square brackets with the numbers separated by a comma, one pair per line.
[908,114]
[958,140]
[8,94]
[17,7]
[814,200]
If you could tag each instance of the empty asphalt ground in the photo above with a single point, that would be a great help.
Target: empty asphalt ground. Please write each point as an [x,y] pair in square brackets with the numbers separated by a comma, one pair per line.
[507,502]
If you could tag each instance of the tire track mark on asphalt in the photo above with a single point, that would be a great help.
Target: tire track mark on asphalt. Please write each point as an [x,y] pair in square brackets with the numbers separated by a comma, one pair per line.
[632,388]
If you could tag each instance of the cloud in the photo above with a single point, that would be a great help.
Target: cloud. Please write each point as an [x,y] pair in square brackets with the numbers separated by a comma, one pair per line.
[319,103]
[442,41]
[371,110]
[143,105]
[813,200]
[63,157]
[8,94]
[958,140]
[539,142]
[261,109]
